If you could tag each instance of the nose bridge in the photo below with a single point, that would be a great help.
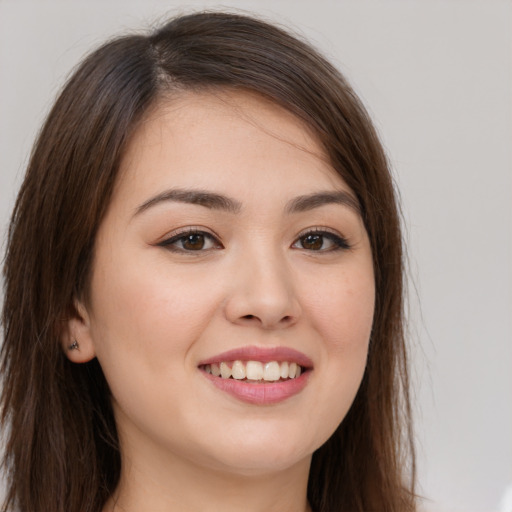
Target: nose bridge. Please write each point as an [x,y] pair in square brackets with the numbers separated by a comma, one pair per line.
[262,289]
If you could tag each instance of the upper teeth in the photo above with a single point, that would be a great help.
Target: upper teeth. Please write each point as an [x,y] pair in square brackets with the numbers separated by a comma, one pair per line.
[255,370]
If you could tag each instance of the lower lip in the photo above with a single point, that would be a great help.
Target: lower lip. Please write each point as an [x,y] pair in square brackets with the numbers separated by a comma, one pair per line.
[260,394]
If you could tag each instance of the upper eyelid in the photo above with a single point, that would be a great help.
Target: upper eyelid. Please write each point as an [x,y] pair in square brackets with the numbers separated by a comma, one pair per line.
[320,230]
[180,232]
[316,229]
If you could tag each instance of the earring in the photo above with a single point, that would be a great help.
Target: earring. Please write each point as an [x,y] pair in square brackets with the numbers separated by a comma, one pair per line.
[73,346]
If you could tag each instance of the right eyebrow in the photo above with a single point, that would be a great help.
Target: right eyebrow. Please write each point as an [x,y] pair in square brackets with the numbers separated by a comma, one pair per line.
[199,197]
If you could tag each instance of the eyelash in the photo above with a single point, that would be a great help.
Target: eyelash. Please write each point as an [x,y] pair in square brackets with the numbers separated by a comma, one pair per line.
[338,242]
[182,235]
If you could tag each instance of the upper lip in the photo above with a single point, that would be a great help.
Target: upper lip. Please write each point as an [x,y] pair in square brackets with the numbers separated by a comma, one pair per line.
[262,354]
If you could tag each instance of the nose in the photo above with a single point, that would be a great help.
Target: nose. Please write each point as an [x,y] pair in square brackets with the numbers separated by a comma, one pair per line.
[262,293]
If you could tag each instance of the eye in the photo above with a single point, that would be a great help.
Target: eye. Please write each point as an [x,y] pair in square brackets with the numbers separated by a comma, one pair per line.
[191,240]
[321,241]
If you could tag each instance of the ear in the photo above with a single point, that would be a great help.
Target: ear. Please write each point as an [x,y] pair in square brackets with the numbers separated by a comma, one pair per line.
[76,338]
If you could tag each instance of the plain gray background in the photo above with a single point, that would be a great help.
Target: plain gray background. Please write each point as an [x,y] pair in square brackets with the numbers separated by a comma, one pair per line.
[437,78]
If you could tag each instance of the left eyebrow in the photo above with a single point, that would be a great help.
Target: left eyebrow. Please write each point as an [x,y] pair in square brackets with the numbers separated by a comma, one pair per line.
[317,199]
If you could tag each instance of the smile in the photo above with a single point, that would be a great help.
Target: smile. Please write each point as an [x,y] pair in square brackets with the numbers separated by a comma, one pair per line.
[259,376]
[255,371]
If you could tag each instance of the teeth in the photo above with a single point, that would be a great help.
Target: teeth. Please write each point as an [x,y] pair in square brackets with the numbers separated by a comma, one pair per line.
[238,370]
[271,371]
[225,371]
[254,370]
[215,370]
[284,370]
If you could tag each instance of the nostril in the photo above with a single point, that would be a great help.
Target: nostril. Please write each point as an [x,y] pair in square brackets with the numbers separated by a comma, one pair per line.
[286,319]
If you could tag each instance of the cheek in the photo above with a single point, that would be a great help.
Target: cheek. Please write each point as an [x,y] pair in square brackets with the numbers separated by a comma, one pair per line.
[149,311]
[146,321]
[342,315]
[342,309]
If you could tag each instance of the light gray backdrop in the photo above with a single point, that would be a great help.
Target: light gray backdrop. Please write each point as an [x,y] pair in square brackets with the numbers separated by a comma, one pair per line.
[437,78]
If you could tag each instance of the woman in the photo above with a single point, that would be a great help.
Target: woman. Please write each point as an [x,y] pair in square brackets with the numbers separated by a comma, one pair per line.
[203,286]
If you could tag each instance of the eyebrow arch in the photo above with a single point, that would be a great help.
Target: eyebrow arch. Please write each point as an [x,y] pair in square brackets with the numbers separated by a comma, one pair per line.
[199,197]
[317,199]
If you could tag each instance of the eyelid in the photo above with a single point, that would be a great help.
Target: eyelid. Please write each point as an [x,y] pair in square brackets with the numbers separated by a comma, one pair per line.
[179,233]
[341,241]
[320,230]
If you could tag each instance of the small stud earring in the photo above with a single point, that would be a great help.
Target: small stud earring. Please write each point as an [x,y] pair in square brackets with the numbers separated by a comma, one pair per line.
[73,346]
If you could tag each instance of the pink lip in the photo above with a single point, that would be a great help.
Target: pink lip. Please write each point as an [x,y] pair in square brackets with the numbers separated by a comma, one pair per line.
[261,393]
[262,354]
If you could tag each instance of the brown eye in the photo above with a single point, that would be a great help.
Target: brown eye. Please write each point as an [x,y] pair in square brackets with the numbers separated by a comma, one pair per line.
[191,241]
[321,241]
[194,242]
[312,242]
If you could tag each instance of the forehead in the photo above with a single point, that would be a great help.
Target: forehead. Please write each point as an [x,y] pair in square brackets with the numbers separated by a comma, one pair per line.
[217,105]
[223,139]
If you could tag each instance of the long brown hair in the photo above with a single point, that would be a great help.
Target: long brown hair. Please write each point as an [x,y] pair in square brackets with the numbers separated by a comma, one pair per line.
[62,450]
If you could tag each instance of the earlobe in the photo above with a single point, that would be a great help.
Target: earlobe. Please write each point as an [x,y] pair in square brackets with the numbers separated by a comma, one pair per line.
[76,339]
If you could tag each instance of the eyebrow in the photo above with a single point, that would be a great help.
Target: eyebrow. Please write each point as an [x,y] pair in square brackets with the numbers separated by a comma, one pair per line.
[199,197]
[317,199]
[220,202]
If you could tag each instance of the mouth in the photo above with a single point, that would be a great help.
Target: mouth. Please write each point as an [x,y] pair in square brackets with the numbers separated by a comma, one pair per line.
[255,372]
[259,376]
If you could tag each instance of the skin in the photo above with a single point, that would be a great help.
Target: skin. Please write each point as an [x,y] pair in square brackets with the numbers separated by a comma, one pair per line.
[156,311]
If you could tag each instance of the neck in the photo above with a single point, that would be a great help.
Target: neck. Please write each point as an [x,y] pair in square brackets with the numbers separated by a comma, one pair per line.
[182,486]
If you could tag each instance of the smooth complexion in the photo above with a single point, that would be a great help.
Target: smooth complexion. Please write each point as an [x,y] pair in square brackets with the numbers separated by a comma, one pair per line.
[228,231]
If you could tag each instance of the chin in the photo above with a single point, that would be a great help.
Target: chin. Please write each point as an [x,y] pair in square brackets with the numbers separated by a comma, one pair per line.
[262,463]
[256,454]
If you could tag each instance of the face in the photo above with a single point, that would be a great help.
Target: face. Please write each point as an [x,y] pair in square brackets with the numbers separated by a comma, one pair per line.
[230,246]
